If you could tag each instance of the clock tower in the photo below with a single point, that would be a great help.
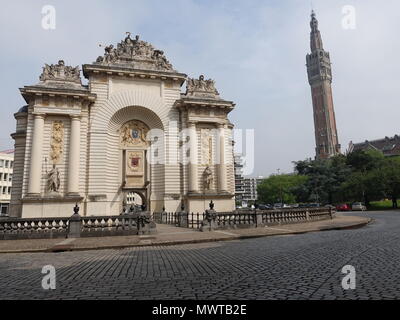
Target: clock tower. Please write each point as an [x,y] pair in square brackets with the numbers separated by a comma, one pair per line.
[320,79]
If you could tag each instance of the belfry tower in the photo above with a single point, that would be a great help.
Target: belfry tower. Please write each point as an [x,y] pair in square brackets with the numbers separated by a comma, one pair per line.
[320,79]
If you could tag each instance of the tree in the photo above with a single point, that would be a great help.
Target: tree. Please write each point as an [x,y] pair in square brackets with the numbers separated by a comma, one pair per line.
[324,178]
[280,188]
[390,176]
[366,182]
[364,161]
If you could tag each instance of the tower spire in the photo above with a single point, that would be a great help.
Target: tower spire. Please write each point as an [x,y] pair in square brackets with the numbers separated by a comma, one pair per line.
[315,35]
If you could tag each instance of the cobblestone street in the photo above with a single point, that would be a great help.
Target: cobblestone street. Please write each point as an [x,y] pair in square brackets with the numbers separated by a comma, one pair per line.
[305,266]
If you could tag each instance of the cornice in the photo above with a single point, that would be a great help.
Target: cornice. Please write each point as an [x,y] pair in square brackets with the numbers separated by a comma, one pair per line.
[30,91]
[89,69]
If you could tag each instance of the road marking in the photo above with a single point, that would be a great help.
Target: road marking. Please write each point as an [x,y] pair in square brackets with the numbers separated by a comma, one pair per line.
[228,233]
[145,242]
[185,232]
[66,241]
[279,229]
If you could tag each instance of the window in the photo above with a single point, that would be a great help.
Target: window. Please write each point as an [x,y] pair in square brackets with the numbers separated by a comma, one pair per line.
[4,190]
[1,176]
[5,177]
[11,164]
[10,177]
[9,190]
[6,166]
[1,163]
[4,209]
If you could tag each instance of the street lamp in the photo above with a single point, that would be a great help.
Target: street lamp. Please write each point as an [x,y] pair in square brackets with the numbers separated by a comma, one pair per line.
[280,187]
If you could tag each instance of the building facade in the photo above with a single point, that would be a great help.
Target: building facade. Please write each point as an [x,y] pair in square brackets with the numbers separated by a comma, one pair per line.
[250,194]
[320,79]
[6,176]
[129,131]
[389,147]
[245,188]
[239,187]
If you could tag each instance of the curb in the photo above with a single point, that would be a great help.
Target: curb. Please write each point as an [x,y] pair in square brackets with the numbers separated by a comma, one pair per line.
[57,249]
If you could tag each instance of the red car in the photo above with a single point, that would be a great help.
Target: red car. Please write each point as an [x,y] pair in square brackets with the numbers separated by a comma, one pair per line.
[343,207]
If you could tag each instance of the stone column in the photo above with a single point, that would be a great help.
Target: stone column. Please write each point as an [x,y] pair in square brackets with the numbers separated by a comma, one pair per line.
[222,186]
[193,173]
[35,170]
[74,156]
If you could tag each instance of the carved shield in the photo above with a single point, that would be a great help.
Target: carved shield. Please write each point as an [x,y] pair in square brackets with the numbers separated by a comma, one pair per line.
[135,162]
[135,134]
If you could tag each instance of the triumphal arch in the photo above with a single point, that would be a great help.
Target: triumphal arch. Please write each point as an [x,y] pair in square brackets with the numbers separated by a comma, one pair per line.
[129,130]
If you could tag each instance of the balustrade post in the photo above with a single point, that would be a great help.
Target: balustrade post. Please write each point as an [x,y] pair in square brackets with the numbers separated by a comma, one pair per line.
[75,224]
[259,219]
[330,212]
[164,218]
[183,217]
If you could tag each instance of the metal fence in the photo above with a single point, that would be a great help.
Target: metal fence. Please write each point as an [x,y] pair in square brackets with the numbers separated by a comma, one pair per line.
[180,219]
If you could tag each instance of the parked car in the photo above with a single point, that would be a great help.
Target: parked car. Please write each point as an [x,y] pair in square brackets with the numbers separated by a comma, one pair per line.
[313,205]
[343,207]
[358,206]
[264,207]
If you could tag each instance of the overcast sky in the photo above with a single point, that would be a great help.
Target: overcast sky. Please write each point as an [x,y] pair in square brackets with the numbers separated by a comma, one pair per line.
[255,51]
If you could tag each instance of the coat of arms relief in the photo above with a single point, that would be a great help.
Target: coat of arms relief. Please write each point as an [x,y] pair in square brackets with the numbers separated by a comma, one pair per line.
[134,133]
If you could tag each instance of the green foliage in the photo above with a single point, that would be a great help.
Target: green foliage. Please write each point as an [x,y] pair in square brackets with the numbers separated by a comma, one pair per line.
[363,161]
[324,179]
[365,176]
[360,176]
[279,188]
[382,205]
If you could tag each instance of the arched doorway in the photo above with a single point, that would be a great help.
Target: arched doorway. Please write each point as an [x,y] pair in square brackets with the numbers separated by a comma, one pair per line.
[136,173]
[126,146]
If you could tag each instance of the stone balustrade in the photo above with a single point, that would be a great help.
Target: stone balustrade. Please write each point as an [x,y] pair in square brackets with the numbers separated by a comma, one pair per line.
[211,220]
[33,228]
[76,226]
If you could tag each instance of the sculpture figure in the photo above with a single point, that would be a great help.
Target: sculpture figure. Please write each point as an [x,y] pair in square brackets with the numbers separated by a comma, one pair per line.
[208,178]
[53,180]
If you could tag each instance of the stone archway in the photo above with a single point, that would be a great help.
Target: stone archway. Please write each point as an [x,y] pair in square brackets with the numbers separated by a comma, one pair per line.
[128,148]
[105,177]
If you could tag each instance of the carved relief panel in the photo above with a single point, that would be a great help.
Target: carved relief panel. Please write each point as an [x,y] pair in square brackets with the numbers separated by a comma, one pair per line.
[206,147]
[57,142]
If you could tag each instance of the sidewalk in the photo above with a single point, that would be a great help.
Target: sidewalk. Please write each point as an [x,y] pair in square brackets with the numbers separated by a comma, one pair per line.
[170,235]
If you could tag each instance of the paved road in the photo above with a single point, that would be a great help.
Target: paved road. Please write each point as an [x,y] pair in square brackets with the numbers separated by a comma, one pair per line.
[304,266]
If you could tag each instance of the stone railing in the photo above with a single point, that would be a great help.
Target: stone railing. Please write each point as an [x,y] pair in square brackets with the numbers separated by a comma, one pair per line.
[76,226]
[33,228]
[211,219]
[263,218]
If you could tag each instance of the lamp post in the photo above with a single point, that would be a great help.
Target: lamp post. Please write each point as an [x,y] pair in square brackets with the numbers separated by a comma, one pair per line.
[280,188]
